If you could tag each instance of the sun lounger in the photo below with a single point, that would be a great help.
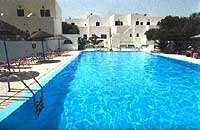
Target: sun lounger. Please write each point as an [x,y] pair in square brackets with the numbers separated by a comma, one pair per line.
[19,63]
[2,66]
[32,60]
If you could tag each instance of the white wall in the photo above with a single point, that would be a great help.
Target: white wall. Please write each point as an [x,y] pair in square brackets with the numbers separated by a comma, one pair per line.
[53,44]
[78,22]
[154,20]
[121,39]
[33,24]
[116,17]
[74,39]
[119,29]
[123,18]
[17,49]
[120,34]
[92,19]
[83,30]
[99,30]
[58,19]
[50,24]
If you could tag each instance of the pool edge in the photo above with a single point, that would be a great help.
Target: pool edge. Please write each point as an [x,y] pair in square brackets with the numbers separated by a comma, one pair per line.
[178,58]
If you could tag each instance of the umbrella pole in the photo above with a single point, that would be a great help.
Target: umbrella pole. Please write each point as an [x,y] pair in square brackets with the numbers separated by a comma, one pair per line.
[43,50]
[6,51]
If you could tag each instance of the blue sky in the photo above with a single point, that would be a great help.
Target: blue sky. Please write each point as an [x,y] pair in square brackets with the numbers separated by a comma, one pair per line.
[81,8]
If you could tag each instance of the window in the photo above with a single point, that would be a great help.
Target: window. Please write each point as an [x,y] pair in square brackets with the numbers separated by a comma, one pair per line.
[104,36]
[85,36]
[20,12]
[141,23]
[97,23]
[118,23]
[72,23]
[42,14]
[131,46]
[137,35]
[131,35]
[148,23]
[137,23]
[68,41]
[45,13]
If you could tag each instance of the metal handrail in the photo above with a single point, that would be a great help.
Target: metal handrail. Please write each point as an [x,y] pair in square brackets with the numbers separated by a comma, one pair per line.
[17,77]
[39,85]
[38,104]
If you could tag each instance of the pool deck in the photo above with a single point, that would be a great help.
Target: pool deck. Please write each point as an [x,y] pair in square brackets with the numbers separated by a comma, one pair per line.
[42,71]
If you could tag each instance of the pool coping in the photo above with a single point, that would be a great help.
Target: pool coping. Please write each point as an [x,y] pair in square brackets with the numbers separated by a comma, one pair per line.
[178,57]
[4,113]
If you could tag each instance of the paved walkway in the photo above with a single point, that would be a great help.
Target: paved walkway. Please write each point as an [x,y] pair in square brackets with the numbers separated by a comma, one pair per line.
[39,70]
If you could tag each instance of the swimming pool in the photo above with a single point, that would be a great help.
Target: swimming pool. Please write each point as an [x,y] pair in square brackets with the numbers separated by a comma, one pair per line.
[117,90]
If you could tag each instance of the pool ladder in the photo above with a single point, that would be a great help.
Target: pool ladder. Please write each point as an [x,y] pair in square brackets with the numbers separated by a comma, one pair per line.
[38,103]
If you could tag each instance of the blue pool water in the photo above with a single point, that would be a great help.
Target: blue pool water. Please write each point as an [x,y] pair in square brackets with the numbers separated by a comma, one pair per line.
[117,90]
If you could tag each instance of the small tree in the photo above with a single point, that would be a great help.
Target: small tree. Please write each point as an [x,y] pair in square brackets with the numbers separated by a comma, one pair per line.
[69,28]
[192,26]
[81,43]
[152,34]
[173,29]
[94,40]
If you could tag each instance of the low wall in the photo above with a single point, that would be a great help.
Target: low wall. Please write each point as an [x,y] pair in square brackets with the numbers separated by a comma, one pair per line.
[54,44]
[17,49]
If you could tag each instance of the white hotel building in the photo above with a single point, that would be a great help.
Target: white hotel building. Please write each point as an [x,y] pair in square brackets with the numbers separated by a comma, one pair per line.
[117,30]
[32,15]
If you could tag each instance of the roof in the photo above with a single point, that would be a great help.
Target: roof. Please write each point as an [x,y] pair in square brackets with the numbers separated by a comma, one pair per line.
[40,35]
